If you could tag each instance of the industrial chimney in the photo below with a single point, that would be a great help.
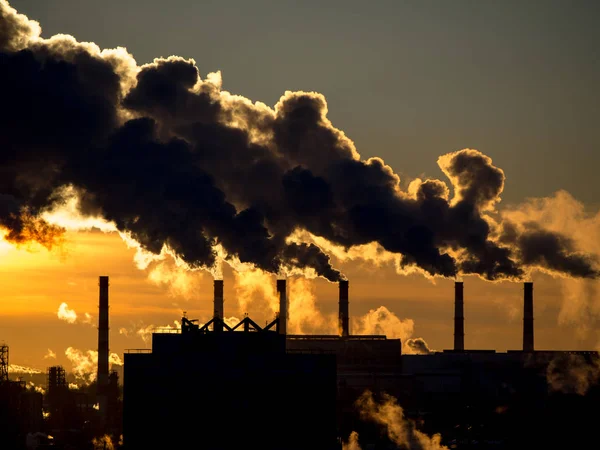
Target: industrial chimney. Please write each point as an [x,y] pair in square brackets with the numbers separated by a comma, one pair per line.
[343,309]
[283,306]
[218,305]
[459,317]
[102,378]
[528,316]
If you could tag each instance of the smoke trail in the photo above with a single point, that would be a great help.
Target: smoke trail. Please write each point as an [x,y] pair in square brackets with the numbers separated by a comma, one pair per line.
[179,165]
[15,368]
[400,430]
[352,443]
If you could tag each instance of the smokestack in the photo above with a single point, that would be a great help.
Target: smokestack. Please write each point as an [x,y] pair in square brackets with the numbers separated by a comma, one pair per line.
[459,317]
[528,316]
[218,305]
[343,309]
[102,378]
[283,306]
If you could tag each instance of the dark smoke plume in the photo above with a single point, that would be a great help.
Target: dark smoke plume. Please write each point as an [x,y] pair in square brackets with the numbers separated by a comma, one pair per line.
[175,161]
[418,346]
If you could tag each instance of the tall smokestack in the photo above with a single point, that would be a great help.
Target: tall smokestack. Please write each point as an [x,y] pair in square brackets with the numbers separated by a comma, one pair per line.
[283,306]
[218,305]
[343,309]
[528,316]
[102,378]
[459,317]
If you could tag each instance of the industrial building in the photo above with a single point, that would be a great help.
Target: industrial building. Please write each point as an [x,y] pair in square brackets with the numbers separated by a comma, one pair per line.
[61,417]
[20,408]
[219,386]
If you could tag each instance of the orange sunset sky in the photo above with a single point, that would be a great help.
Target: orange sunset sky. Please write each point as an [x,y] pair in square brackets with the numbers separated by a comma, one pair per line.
[35,282]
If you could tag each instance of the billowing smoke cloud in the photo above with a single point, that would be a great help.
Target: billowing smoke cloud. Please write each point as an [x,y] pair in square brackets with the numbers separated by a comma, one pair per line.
[85,363]
[16,30]
[353,443]
[179,281]
[177,163]
[382,321]
[66,314]
[304,314]
[563,214]
[256,292]
[417,346]
[103,443]
[50,355]
[399,429]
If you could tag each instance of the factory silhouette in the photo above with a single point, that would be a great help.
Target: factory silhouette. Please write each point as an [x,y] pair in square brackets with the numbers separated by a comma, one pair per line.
[171,161]
[227,386]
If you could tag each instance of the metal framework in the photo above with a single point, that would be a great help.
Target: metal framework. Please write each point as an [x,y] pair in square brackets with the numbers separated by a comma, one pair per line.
[56,379]
[3,363]
[219,325]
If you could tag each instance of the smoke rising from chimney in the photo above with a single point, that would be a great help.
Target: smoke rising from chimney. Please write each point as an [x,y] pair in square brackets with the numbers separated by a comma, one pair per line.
[156,141]
[85,363]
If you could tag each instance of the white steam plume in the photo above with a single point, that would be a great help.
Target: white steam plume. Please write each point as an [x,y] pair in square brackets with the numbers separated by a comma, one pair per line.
[66,314]
[70,316]
[85,363]
[382,321]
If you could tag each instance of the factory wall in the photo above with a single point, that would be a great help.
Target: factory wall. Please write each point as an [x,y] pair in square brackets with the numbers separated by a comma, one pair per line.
[228,391]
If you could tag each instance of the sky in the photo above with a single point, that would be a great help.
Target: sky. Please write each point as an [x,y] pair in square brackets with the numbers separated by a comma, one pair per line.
[405,81]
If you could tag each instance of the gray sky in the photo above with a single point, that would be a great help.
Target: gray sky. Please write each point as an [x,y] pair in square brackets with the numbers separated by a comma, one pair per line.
[406,80]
